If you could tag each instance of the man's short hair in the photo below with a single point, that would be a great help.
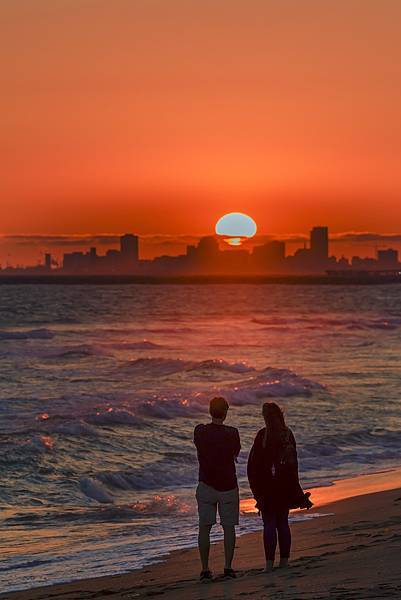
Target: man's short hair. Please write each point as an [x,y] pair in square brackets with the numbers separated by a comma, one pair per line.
[218,407]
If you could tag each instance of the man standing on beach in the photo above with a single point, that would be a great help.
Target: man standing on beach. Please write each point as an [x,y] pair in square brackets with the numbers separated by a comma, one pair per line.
[218,446]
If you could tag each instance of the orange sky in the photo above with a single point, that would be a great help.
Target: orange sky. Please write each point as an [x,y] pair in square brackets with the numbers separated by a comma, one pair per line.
[157,116]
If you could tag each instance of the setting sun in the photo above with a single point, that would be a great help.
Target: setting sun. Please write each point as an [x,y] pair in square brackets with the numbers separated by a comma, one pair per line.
[235,227]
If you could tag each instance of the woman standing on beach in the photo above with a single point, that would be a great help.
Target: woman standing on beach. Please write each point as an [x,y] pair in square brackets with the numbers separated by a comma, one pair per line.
[273,478]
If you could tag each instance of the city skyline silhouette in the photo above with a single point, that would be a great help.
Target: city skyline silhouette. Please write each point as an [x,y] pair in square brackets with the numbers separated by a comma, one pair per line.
[212,256]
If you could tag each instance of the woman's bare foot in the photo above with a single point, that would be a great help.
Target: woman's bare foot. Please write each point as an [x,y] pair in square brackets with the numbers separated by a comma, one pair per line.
[269,566]
[283,563]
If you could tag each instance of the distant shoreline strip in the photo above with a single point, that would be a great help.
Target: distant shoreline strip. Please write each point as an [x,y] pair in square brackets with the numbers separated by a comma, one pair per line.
[368,279]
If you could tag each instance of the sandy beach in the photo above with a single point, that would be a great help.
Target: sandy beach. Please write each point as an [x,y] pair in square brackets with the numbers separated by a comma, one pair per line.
[351,552]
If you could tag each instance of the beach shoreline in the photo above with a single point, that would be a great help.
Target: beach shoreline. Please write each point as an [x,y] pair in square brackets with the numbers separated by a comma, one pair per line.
[360,517]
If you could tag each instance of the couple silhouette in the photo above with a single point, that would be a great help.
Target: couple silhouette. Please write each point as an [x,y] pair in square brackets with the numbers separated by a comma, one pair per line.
[273,479]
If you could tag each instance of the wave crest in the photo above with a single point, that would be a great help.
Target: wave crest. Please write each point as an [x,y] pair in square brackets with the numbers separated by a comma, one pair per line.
[160,366]
[32,334]
[324,323]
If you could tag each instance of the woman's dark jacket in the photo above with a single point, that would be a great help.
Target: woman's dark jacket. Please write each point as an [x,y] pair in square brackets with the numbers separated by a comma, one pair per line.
[274,484]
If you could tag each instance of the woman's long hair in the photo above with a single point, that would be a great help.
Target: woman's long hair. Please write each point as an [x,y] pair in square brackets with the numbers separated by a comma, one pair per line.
[276,428]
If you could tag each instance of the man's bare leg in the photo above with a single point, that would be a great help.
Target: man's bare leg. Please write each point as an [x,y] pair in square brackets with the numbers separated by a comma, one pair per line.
[229,545]
[204,545]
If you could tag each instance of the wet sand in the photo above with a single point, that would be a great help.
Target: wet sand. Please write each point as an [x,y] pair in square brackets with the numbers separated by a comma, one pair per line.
[351,553]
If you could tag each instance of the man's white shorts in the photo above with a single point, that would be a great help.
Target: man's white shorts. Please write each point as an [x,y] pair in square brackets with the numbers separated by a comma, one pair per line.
[209,500]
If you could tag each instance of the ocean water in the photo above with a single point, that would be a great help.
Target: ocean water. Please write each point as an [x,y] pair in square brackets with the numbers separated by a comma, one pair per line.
[101,387]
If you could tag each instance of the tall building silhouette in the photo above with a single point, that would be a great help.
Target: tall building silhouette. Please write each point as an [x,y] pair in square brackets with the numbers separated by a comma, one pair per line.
[129,248]
[319,243]
[48,261]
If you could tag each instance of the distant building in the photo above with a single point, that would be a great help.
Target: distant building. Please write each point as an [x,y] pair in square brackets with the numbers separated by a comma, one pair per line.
[319,243]
[128,260]
[303,261]
[343,263]
[93,260]
[129,248]
[75,262]
[269,257]
[48,261]
[387,259]
[191,251]
[208,247]
[361,264]
[123,261]
[205,258]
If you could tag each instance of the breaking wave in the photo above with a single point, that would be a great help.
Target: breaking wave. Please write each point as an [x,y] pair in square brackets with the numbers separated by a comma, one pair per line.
[142,345]
[271,383]
[157,367]
[75,352]
[240,383]
[362,446]
[325,323]
[222,365]
[95,490]
[113,416]
[160,367]
[174,468]
[129,330]
[32,334]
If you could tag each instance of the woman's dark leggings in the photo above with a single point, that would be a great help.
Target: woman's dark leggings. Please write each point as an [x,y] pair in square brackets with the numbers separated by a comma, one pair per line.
[276,522]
